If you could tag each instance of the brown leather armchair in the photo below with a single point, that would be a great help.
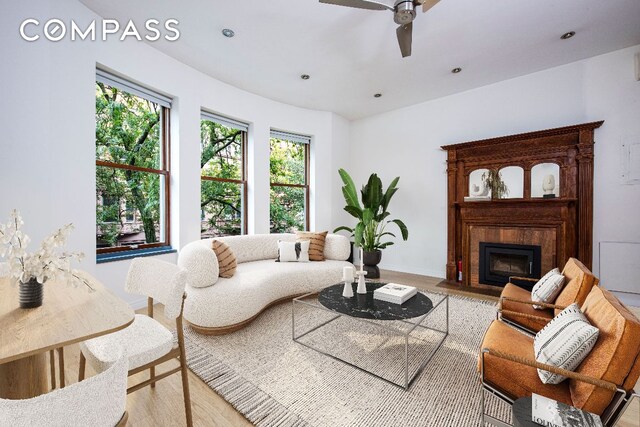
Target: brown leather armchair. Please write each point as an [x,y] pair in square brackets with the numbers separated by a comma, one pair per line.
[515,306]
[603,383]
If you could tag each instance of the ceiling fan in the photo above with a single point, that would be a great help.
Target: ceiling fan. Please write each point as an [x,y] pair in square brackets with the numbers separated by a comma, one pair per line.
[404,12]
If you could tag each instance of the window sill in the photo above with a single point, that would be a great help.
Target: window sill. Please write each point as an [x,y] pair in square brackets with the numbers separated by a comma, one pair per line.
[125,255]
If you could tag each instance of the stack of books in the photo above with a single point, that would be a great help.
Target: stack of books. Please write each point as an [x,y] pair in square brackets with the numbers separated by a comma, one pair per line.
[549,413]
[394,293]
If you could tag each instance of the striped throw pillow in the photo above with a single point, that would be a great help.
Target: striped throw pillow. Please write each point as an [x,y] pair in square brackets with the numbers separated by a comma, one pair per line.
[316,243]
[564,342]
[226,259]
[547,288]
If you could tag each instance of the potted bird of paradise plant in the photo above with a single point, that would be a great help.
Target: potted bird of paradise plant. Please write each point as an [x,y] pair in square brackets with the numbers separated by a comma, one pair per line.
[370,232]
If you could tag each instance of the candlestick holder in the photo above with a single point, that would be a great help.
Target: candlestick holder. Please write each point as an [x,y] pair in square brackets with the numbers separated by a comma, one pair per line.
[347,291]
[362,285]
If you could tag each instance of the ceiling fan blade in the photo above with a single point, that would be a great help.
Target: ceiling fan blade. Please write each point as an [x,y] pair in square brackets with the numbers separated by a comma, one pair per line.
[360,4]
[404,33]
[428,4]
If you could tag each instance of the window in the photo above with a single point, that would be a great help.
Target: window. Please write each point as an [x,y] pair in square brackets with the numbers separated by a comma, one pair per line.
[289,166]
[223,189]
[132,166]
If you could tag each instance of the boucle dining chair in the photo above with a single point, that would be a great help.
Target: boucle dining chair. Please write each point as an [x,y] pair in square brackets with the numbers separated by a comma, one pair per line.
[99,401]
[146,341]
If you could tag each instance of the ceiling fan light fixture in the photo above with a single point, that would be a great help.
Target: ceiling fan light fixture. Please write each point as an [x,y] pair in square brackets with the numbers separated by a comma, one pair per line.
[405,12]
[228,32]
[456,70]
[568,35]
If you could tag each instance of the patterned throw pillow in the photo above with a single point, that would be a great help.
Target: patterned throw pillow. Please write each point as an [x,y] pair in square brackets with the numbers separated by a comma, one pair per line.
[547,288]
[316,247]
[293,251]
[226,258]
[564,342]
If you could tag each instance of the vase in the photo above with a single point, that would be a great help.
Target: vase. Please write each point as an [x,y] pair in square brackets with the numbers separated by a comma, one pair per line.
[31,294]
[371,261]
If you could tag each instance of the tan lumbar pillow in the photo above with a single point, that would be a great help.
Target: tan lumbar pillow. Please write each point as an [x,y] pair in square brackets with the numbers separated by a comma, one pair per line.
[226,258]
[316,243]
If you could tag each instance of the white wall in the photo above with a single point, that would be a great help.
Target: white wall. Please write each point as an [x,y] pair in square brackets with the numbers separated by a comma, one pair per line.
[407,142]
[47,156]
[47,147]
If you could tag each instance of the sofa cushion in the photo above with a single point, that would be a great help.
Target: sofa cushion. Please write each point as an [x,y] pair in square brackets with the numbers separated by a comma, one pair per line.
[337,247]
[516,292]
[226,259]
[615,354]
[255,285]
[547,288]
[256,247]
[201,264]
[516,379]
[316,243]
[564,342]
[578,283]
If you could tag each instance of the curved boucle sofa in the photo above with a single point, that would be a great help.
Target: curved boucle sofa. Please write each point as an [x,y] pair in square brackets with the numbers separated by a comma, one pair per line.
[216,305]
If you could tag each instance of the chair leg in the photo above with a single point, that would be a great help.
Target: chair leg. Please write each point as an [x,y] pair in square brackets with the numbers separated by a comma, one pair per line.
[52,364]
[152,375]
[83,363]
[61,365]
[183,366]
[185,388]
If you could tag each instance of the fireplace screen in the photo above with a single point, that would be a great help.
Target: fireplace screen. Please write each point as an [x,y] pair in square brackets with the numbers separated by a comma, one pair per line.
[499,261]
[510,264]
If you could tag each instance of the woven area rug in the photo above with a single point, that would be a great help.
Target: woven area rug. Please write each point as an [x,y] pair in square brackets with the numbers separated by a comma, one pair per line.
[274,381]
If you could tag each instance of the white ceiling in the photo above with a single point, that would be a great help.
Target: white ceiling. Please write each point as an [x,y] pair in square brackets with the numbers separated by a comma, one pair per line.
[352,54]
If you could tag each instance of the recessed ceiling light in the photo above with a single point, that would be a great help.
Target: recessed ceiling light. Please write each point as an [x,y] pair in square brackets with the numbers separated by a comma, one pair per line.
[305,77]
[228,32]
[456,70]
[377,95]
[568,35]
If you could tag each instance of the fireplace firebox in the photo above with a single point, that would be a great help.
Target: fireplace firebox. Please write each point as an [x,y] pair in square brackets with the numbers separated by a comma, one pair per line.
[499,261]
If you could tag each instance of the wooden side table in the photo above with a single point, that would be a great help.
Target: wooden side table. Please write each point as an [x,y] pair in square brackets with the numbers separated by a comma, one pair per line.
[68,315]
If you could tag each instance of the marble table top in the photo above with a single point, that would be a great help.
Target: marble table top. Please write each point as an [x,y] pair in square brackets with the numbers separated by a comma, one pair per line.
[366,307]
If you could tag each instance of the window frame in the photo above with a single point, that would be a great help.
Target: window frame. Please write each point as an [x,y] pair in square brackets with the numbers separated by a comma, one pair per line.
[305,186]
[242,181]
[165,150]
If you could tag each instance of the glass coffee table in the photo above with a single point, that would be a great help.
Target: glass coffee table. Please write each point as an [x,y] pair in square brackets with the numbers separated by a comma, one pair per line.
[392,342]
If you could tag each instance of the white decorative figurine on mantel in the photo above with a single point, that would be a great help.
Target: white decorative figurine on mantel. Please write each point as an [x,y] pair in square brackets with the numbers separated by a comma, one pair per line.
[347,278]
[362,285]
[549,186]
[479,190]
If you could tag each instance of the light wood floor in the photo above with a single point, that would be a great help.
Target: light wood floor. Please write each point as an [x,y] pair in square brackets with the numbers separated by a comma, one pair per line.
[163,406]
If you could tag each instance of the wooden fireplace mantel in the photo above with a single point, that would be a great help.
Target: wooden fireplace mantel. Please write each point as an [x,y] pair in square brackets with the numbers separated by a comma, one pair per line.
[563,226]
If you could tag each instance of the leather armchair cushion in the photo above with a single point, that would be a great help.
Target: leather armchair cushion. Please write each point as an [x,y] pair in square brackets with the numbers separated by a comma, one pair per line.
[516,292]
[578,283]
[515,379]
[615,356]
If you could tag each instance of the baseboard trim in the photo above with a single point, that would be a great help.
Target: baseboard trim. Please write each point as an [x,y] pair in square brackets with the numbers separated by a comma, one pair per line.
[418,271]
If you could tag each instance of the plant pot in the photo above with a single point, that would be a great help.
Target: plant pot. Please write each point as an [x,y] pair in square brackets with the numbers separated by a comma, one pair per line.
[350,259]
[371,261]
[31,294]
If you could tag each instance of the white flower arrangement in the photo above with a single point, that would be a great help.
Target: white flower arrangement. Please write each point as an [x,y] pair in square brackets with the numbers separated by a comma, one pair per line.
[49,262]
